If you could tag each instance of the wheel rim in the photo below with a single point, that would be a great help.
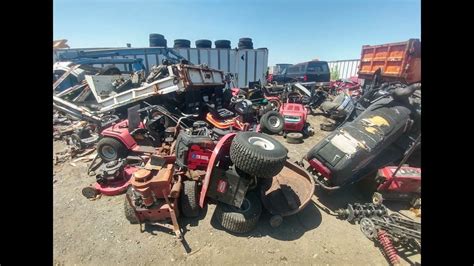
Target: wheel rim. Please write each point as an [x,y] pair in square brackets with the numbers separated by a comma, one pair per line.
[367,227]
[262,143]
[108,152]
[275,105]
[274,121]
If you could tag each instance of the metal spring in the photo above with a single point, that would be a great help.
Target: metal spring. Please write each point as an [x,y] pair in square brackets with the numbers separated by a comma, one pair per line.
[388,248]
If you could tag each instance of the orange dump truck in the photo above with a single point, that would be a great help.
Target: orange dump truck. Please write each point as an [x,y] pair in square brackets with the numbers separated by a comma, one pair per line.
[399,61]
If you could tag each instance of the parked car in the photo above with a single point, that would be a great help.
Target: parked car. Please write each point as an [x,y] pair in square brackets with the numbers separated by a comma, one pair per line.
[312,71]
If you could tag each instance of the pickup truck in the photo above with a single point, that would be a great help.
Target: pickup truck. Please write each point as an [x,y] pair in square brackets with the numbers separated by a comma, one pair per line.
[312,71]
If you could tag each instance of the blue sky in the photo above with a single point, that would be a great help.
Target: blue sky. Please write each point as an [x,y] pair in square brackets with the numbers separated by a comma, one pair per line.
[293,31]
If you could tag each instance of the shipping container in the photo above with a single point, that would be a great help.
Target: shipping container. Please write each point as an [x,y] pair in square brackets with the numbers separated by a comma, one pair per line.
[247,65]
[399,61]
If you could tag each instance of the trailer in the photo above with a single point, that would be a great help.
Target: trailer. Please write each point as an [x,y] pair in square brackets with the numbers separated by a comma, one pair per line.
[245,65]
[399,61]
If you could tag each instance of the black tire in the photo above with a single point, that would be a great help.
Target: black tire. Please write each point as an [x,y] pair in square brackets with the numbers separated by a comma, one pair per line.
[245,46]
[239,220]
[203,44]
[110,70]
[128,210]
[76,141]
[189,199]
[158,41]
[245,43]
[273,122]
[331,126]
[222,44]
[182,43]
[248,40]
[294,138]
[257,154]
[156,36]
[110,149]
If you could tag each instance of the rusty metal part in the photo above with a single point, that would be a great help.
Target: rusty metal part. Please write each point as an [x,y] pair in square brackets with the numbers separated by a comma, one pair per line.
[154,182]
[195,175]
[208,77]
[288,192]
[172,210]
[176,188]
[142,175]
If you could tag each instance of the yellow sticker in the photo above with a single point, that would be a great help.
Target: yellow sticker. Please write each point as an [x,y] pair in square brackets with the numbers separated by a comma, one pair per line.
[378,121]
[374,123]
[371,129]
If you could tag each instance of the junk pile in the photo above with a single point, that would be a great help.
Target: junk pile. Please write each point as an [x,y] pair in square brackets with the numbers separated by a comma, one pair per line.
[389,231]
[180,137]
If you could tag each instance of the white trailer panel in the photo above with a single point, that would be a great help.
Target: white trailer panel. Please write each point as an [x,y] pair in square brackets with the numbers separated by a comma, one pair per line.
[247,65]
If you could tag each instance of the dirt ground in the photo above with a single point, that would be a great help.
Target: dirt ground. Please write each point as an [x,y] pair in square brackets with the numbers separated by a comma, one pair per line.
[96,232]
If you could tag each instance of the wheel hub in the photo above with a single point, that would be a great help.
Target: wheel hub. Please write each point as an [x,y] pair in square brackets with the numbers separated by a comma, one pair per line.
[262,143]
[274,121]
[109,152]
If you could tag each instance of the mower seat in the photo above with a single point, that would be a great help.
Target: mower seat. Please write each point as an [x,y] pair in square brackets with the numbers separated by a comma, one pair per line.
[273,90]
[219,113]
[329,106]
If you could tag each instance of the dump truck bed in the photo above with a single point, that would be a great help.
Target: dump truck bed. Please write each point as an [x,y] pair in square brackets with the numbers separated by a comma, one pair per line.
[399,61]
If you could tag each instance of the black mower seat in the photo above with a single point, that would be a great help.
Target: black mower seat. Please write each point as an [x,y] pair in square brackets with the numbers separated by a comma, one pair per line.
[329,106]
[221,113]
[274,90]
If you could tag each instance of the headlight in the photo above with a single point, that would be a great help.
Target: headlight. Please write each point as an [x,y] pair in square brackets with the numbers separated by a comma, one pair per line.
[292,119]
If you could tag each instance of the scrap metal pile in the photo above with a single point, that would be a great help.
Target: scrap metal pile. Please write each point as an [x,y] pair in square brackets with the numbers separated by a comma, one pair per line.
[179,137]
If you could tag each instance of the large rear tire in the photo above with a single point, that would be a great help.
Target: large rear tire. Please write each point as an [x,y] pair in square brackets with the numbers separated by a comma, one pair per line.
[257,154]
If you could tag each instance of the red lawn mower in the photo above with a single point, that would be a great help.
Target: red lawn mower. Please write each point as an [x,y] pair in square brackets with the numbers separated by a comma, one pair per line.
[133,136]
[242,115]
[125,146]
[290,120]
[399,183]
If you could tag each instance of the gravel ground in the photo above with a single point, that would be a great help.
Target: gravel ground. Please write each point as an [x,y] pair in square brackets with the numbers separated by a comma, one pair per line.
[96,232]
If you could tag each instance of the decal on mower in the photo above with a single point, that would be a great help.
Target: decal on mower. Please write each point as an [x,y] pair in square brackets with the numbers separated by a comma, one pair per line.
[374,123]
[221,186]
[200,157]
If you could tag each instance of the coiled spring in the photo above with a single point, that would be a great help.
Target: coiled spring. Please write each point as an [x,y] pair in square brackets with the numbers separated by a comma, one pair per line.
[388,248]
